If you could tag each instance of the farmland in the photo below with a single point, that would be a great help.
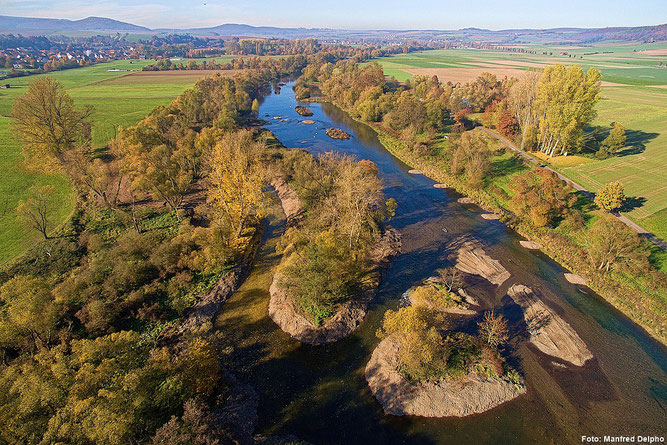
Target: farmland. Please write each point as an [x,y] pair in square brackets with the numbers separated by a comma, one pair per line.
[120,98]
[633,93]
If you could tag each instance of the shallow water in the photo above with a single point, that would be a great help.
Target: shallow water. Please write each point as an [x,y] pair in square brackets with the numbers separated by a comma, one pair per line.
[319,392]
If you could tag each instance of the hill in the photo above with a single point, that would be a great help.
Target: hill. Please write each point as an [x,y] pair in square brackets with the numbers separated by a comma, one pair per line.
[37,26]
[30,25]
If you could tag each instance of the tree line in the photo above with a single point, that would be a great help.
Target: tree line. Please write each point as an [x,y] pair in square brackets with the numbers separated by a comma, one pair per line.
[88,316]
[430,123]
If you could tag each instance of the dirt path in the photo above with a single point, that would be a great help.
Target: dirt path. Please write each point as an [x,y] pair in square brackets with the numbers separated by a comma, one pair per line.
[624,219]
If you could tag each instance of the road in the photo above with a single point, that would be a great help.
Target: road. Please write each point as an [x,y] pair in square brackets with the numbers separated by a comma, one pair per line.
[624,219]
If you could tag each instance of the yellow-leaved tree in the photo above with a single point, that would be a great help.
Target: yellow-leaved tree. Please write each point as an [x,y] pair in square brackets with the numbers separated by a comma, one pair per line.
[236,180]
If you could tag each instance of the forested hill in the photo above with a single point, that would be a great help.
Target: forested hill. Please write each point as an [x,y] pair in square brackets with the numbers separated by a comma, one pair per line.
[37,26]
[32,25]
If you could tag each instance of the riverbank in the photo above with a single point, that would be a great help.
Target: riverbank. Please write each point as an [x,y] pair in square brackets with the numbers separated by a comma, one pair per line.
[460,398]
[649,311]
[283,310]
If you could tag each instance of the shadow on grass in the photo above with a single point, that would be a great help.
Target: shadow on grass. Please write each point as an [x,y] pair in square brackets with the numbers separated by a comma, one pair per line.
[506,167]
[636,142]
[632,202]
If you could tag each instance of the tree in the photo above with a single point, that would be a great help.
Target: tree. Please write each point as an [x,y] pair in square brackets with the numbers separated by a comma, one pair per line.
[615,141]
[611,244]
[236,180]
[508,124]
[471,157]
[47,122]
[36,210]
[160,155]
[197,426]
[358,199]
[542,196]
[611,196]
[521,102]
[565,103]
[451,277]
[493,329]
[29,312]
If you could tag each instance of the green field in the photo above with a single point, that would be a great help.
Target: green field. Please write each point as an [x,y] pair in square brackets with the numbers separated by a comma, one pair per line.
[622,64]
[119,100]
[633,93]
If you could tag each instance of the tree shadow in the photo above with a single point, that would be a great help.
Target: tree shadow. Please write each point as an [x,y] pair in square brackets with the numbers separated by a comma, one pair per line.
[636,142]
[632,202]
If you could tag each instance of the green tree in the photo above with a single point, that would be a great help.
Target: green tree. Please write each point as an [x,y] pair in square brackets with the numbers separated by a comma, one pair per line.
[615,141]
[611,196]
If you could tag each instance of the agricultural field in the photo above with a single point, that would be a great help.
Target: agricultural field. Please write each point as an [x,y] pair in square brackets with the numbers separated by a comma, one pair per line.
[634,93]
[120,97]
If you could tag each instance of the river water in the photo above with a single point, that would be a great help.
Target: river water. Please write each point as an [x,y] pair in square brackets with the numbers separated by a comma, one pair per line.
[319,393]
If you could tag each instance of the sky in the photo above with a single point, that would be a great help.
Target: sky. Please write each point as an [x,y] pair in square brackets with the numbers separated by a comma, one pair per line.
[354,14]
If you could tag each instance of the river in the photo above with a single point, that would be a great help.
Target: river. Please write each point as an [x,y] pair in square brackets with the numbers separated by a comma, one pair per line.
[319,393]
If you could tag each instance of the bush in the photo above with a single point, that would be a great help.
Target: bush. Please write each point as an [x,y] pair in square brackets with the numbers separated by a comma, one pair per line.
[320,276]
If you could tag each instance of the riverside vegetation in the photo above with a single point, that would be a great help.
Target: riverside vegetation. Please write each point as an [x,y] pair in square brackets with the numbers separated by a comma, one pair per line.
[429,125]
[97,339]
[106,323]
[327,259]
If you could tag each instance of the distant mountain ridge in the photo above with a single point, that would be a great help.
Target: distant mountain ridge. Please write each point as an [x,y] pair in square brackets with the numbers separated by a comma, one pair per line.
[36,26]
[16,25]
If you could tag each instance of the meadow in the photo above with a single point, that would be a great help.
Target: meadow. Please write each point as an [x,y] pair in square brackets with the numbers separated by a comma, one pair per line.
[634,93]
[120,98]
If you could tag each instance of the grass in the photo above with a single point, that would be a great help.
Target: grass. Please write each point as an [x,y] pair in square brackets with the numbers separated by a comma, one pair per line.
[117,102]
[641,166]
[618,63]
[636,103]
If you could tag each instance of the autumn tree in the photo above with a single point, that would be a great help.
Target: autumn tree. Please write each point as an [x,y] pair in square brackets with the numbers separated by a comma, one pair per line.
[507,124]
[421,353]
[160,156]
[236,180]
[358,200]
[48,123]
[470,156]
[541,196]
[493,329]
[565,103]
[611,244]
[611,196]
[28,313]
[451,277]
[521,102]
[36,211]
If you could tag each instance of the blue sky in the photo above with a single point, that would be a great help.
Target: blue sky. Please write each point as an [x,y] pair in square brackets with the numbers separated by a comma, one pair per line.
[354,14]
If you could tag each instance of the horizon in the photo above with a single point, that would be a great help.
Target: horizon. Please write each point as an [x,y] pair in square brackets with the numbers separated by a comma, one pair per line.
[422,16]
[334,28]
